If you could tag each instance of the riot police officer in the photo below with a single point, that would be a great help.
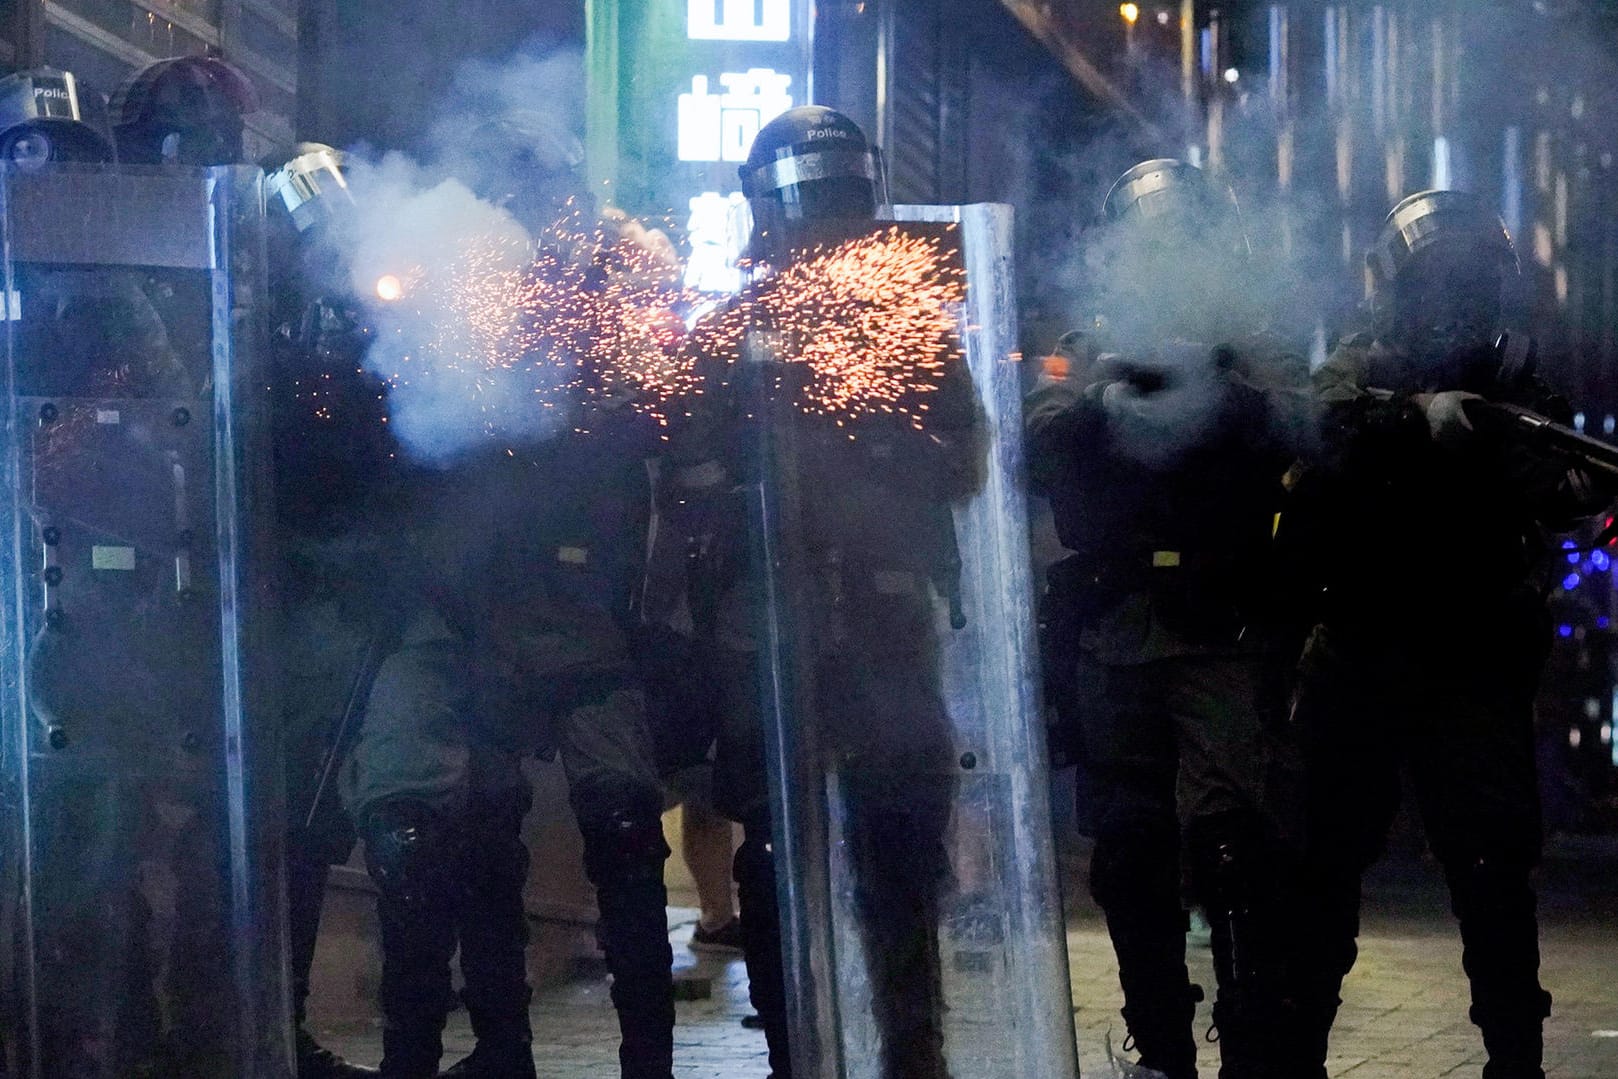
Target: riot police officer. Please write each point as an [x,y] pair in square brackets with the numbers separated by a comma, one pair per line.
[527,566]
[336,472]
[156,910]
[52,118]
[527,552]
[873,514]
[1421,522]
[1164,475]
[49,116]
[588,527]
[187,110]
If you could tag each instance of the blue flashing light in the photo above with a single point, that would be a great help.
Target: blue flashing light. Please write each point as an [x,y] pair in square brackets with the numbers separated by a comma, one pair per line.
[1601,560]
[1603,622]
[1570,582]
[1564,631]
[1573,558]
[1569,545]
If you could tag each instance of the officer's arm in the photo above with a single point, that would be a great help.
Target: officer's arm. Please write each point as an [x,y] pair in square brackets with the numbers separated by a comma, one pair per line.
[1358,428]
[1274,385]
[1061,422]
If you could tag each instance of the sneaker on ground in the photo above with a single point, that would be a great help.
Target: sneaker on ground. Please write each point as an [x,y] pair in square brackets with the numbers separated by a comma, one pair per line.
[727,938]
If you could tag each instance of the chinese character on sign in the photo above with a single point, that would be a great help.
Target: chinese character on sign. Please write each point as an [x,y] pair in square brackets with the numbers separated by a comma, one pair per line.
[717,230]
[720,127]
[739,20]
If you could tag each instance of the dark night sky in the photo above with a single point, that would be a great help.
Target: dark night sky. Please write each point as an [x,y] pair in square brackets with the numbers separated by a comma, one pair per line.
[372,69]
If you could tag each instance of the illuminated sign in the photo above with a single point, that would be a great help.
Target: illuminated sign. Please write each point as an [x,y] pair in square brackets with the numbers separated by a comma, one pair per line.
[679,90]
[739,20]
[717,229]
[721,127]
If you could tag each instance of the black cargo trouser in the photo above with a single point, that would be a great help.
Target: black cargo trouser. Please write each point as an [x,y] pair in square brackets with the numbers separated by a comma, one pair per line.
[440,804]
[322,654]
[1462,723]
[882,722]
[1187,771]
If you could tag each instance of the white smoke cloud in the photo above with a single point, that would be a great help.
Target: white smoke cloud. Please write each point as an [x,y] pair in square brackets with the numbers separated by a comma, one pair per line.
[437,254]
[441,271]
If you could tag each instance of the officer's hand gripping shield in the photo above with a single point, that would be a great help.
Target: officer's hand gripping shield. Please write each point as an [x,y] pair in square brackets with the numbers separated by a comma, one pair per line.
[916,875]
[141,766]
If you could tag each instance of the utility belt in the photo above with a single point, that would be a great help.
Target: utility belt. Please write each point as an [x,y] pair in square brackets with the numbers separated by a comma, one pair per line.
[1119,574]
[1203,596]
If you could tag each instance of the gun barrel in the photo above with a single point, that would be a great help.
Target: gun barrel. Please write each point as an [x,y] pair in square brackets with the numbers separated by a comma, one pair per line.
[1557,438]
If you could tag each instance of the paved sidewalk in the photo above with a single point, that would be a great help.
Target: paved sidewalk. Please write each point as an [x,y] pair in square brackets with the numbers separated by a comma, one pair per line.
[1404,1016]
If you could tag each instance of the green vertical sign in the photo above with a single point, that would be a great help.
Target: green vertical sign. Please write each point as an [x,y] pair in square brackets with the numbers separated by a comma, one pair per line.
[678,89]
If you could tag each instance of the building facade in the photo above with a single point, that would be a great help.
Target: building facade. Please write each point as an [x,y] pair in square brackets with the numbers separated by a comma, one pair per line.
[104,41]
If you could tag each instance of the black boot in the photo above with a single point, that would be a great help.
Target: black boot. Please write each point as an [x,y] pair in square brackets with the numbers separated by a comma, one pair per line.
[412,855]
[410,1054]
[1161,1032]
[315,1061]
[1239,880]
[1319,935]
[1496,906]
[635,937]
[1135,877]
[307,865]
[623,857]
[1516,1050]
[492,1062]
[494,941]
[900,862]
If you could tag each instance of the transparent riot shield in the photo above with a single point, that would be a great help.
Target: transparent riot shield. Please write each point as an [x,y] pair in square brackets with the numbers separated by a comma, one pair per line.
[922,923]
[141,769]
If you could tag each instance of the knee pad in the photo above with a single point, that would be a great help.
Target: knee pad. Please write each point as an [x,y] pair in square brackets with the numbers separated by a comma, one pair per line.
[623,836]
[407,851]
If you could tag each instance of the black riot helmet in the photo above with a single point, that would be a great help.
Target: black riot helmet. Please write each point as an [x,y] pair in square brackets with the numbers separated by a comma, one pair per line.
[527,163]
[48,115]
[1441,271]
[1176,204]
[309,212]
[183,111]
[311,187]
[1170,259]
[811,177]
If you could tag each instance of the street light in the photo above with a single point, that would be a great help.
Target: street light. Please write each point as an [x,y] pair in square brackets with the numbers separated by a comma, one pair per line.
[1130,12]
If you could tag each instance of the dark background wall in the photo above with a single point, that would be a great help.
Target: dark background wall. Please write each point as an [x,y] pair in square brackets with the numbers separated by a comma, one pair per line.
[372,69]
